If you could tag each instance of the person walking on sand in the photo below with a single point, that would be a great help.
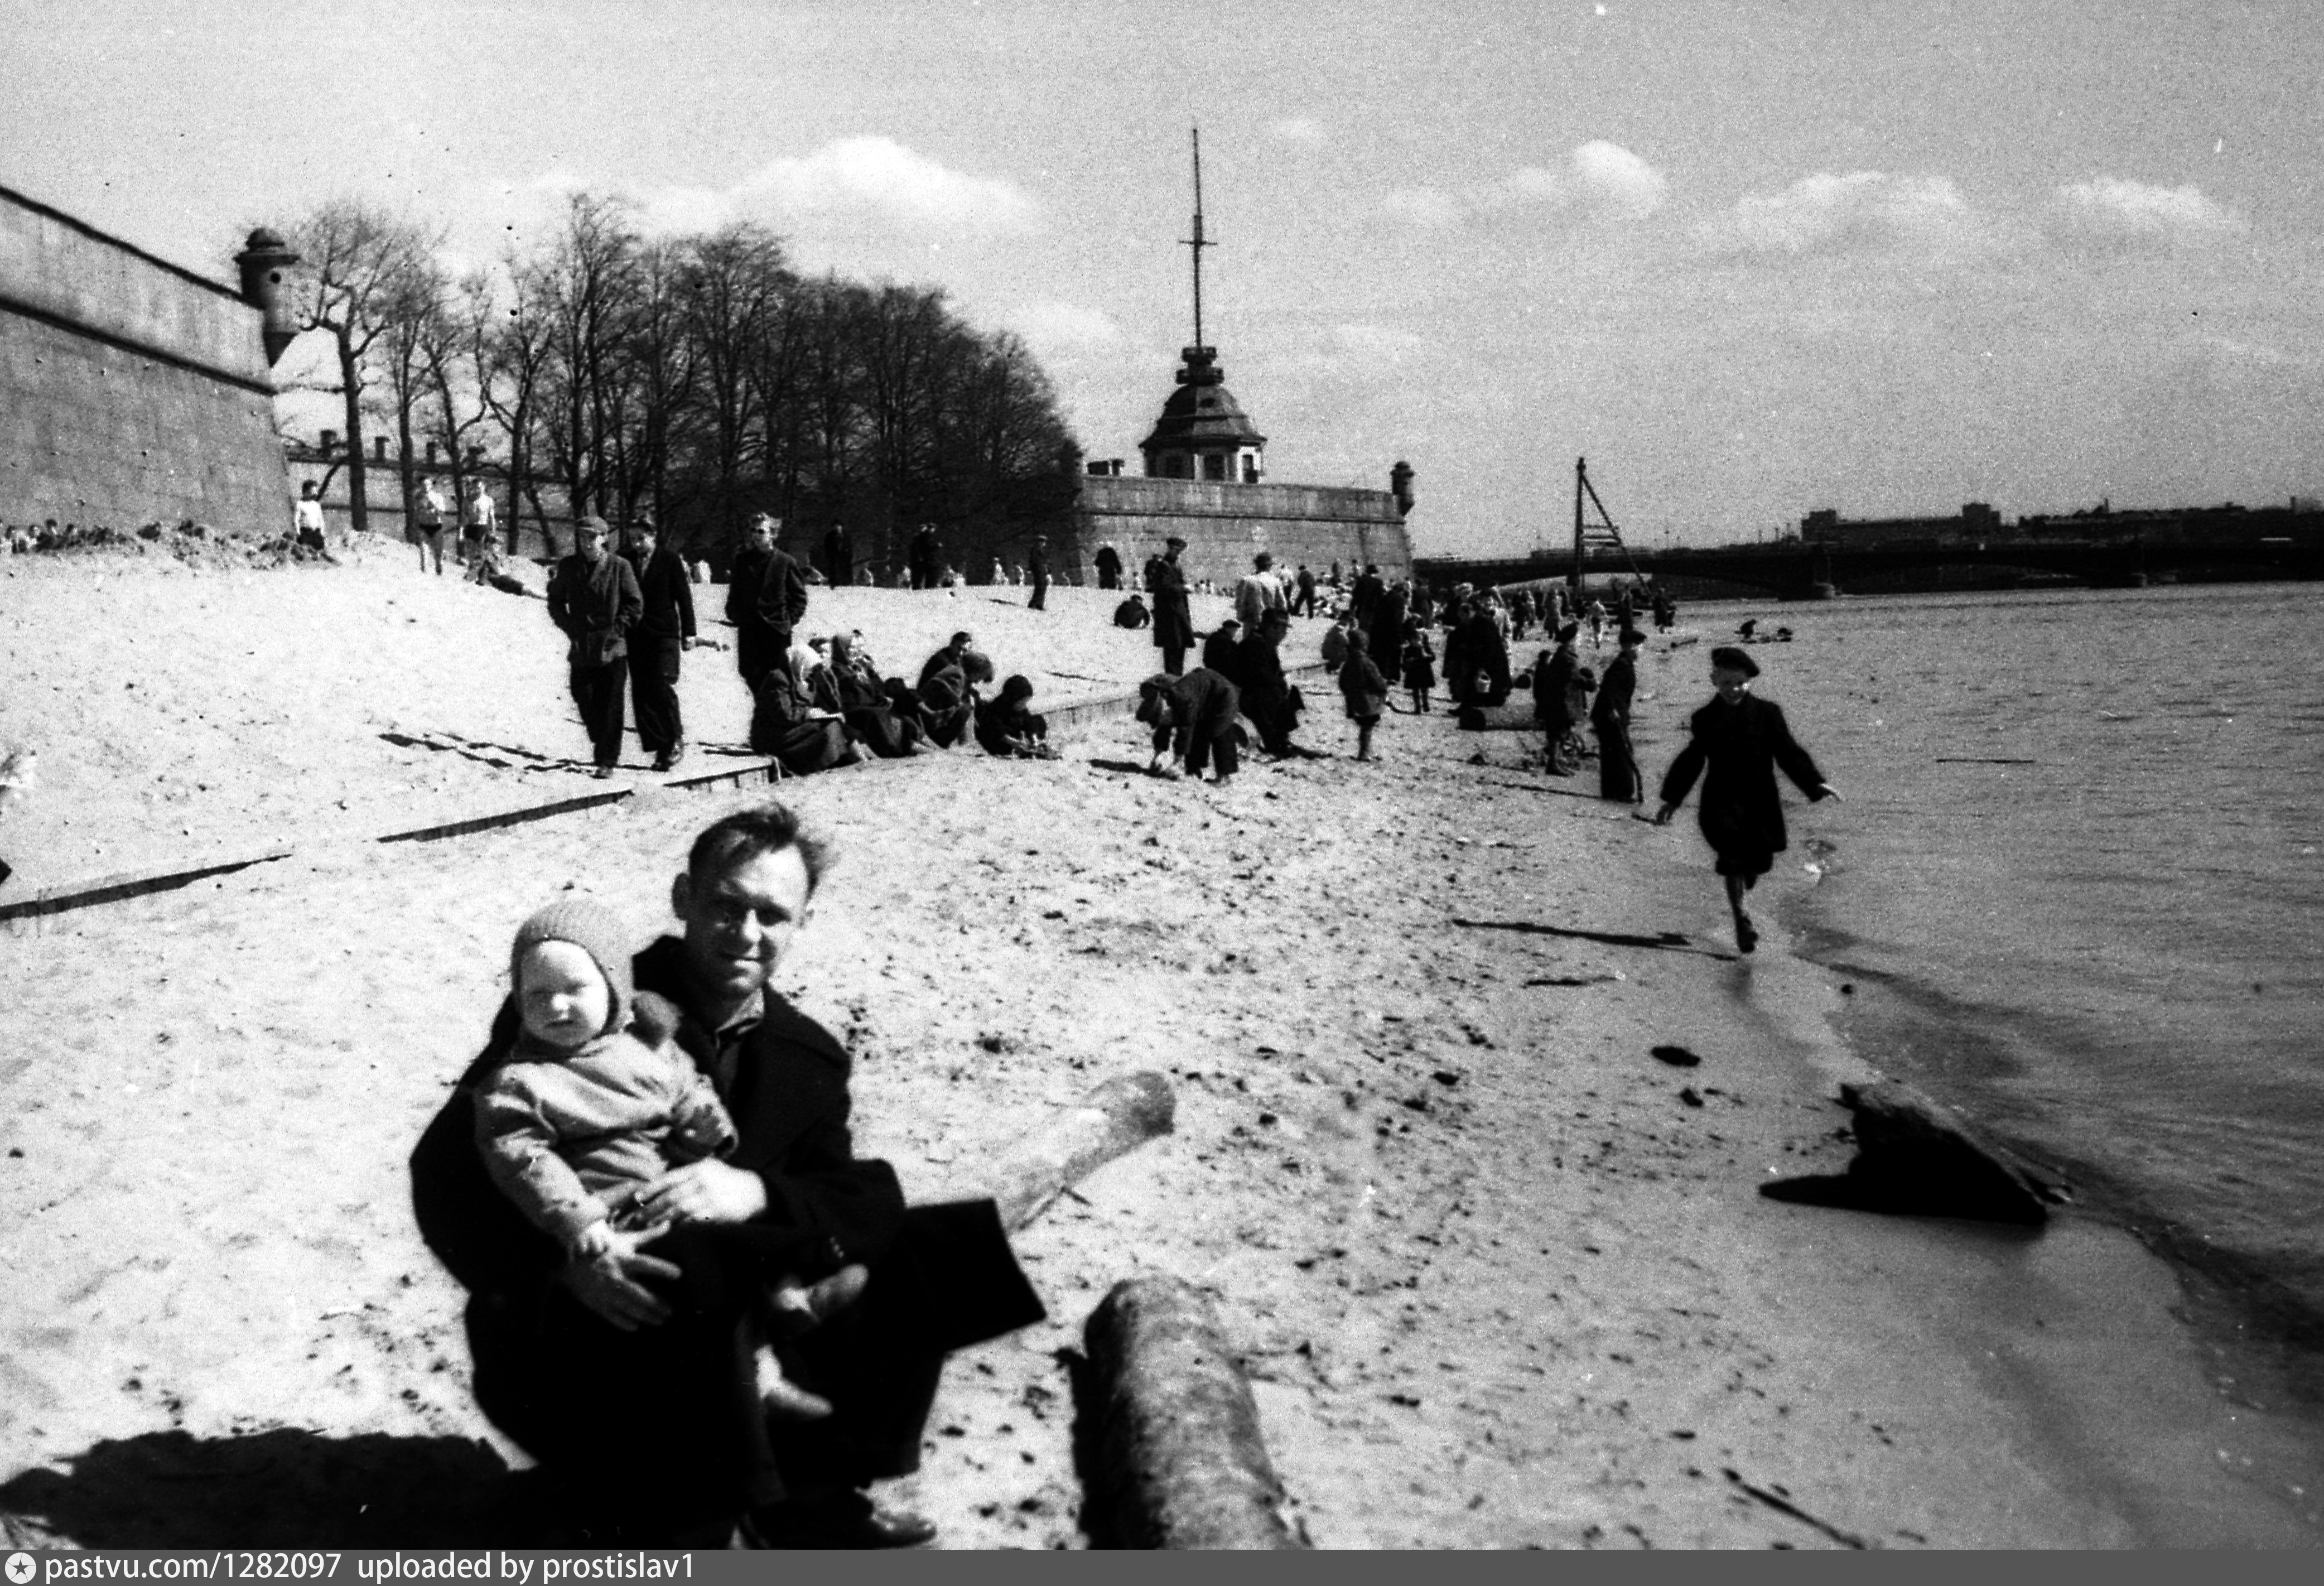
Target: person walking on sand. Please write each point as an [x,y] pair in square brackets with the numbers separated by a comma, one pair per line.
[307,517]
[1173,620]
[754,647]
[428,521]
[1610,718]
[477,519]
[782,600]
[1037,562]
[1365,691]
[664,633]
[593,597]
[1741,739]
[1553,674]
[1258,593]
[1419,664]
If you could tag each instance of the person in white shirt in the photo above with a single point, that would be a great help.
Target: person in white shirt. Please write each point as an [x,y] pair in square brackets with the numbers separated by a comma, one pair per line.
[309,516]
[1260,593]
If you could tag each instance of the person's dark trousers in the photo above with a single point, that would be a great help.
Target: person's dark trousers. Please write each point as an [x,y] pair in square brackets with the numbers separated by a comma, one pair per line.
[949,1281]
[1221,749]
[1618,767]
[1307,602]
[1274,724]
[750,654]
[1108,581]
[653,690]
[597,691]
[1174,659]
[648,1418]
[1039,602]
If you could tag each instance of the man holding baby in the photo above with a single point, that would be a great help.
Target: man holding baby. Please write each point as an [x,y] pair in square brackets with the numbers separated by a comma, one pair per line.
[601,1364]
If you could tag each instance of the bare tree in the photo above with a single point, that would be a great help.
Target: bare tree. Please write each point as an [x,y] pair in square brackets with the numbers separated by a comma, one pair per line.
[356,263]
[590,281]
[509,347]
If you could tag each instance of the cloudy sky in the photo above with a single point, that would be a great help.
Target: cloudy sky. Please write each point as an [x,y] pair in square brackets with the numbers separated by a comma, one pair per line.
[1753,258]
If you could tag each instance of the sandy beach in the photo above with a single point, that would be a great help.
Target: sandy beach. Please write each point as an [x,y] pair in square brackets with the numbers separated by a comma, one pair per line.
[1500,1276]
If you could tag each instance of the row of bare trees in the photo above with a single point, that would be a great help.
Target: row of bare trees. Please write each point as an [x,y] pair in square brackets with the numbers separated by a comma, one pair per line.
[695,379]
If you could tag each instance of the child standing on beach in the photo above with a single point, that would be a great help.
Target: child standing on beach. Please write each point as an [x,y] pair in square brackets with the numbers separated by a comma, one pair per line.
[1419,664]
[594,1103]
[1364,689]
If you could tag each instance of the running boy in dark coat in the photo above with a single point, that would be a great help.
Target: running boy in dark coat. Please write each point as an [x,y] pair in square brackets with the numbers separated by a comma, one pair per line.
[1742,739]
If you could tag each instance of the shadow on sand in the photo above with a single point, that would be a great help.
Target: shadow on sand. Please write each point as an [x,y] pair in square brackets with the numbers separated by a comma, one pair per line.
[1666,942]
[284,1487]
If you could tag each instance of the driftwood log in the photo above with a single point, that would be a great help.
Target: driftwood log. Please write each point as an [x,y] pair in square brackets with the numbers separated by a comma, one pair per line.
[1916,1159]
[1177,1461]
[1112,1121]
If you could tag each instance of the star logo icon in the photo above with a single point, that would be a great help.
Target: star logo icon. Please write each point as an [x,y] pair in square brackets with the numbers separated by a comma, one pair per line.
[21,1568]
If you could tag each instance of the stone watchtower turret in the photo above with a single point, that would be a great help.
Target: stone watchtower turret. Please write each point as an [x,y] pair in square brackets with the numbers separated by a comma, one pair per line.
[1204,432]
[264,261]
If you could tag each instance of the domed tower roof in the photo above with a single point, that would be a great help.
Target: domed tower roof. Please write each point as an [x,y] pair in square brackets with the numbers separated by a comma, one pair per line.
[1202,413]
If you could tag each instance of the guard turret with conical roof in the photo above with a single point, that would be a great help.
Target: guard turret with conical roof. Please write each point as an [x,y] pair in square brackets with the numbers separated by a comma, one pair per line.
[1203,433]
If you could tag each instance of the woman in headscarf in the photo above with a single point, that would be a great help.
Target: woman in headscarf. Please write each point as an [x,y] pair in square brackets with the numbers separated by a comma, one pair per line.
[1553,702]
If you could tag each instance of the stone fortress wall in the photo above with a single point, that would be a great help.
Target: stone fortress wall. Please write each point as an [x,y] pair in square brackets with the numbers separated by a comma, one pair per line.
[1225,524]
[131,390]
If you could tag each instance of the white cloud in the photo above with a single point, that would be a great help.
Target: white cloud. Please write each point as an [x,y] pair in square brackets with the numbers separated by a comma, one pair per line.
[1599,180]
[1864,210]
[1426,206]
[2112,210]
[856,188]
[1064,330]
[1613,177]
[877,180]
[1297,129]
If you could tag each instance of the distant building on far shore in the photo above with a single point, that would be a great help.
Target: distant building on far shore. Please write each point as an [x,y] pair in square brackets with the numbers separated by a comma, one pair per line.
[2226,526]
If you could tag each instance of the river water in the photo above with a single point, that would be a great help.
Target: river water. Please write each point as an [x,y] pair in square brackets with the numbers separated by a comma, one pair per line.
[2079,871]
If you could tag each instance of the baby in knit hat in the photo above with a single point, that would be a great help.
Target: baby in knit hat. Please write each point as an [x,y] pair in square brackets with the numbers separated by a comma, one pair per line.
[595,1101]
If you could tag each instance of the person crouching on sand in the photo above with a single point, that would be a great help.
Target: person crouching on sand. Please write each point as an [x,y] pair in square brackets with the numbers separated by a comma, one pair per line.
[593,1103]
[1741,739]
[1194,711]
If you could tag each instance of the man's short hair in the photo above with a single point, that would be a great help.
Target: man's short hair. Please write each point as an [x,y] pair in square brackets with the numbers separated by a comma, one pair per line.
[763,828]
[962,639]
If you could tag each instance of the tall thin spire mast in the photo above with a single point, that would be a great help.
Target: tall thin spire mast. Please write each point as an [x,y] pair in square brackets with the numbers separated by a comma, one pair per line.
[1197,243]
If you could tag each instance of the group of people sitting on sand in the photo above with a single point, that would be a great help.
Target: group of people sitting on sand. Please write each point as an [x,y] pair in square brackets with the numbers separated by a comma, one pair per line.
[830,705]
[817,702]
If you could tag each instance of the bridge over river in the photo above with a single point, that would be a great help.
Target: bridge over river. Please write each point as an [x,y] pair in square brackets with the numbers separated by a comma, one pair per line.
[1812,570]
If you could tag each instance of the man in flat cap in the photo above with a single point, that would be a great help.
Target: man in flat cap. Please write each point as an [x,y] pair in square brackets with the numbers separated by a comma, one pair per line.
[1173,622]
[594,596]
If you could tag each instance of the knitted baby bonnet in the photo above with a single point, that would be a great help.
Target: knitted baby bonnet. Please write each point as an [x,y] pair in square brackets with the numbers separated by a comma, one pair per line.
[597,931]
